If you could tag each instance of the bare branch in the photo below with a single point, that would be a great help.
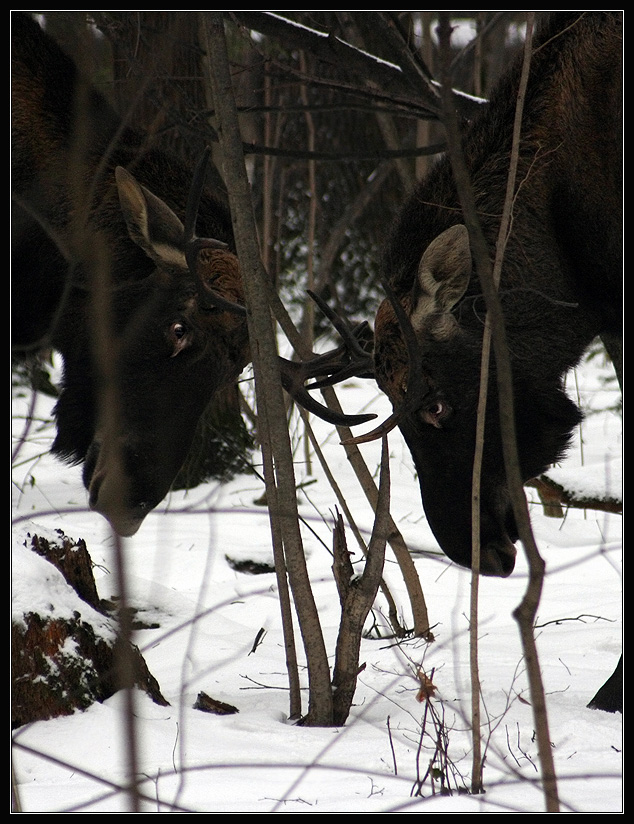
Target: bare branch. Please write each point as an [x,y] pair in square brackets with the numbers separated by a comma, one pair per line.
[357,595]
[271,412]
[410,88]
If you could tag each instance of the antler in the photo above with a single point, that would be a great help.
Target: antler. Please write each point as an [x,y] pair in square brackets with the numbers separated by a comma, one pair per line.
[350,358]
[194,244]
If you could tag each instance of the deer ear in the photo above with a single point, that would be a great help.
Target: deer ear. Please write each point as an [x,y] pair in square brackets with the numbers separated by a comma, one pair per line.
[152,225]
[444,272]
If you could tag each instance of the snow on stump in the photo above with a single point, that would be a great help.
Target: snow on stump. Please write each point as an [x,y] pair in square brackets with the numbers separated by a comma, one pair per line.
[64,646]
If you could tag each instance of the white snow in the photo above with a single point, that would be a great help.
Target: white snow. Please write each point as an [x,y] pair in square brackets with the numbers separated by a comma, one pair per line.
[209,615]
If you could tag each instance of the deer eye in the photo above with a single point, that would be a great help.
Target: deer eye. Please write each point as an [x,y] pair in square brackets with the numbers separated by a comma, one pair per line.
[435,413]
[179,337]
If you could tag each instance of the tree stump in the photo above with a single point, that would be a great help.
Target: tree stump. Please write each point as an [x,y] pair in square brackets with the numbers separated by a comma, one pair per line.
[65,658]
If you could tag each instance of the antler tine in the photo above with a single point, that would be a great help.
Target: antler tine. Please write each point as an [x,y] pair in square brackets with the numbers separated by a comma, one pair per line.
[293,377]
[194,244]
[387,426]
[348,336]
[347,360]
[333,365]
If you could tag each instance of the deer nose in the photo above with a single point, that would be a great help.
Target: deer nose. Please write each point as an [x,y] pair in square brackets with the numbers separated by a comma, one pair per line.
[497,558]
[107,486]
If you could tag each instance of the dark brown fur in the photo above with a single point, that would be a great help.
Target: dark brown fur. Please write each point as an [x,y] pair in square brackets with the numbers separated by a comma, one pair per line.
[561,283]
[126,315]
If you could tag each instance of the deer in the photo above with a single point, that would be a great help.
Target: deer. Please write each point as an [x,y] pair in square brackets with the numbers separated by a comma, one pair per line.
[124,262]
[560,288]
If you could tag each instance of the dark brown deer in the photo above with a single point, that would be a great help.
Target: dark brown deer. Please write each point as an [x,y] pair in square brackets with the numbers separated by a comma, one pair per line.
[561,285]
[100,273]
[108,270]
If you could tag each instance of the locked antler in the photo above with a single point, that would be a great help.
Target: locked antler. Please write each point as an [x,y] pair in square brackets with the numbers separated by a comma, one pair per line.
[350,358]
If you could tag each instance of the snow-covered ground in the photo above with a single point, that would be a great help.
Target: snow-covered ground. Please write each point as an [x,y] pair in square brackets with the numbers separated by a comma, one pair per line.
[209,616]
